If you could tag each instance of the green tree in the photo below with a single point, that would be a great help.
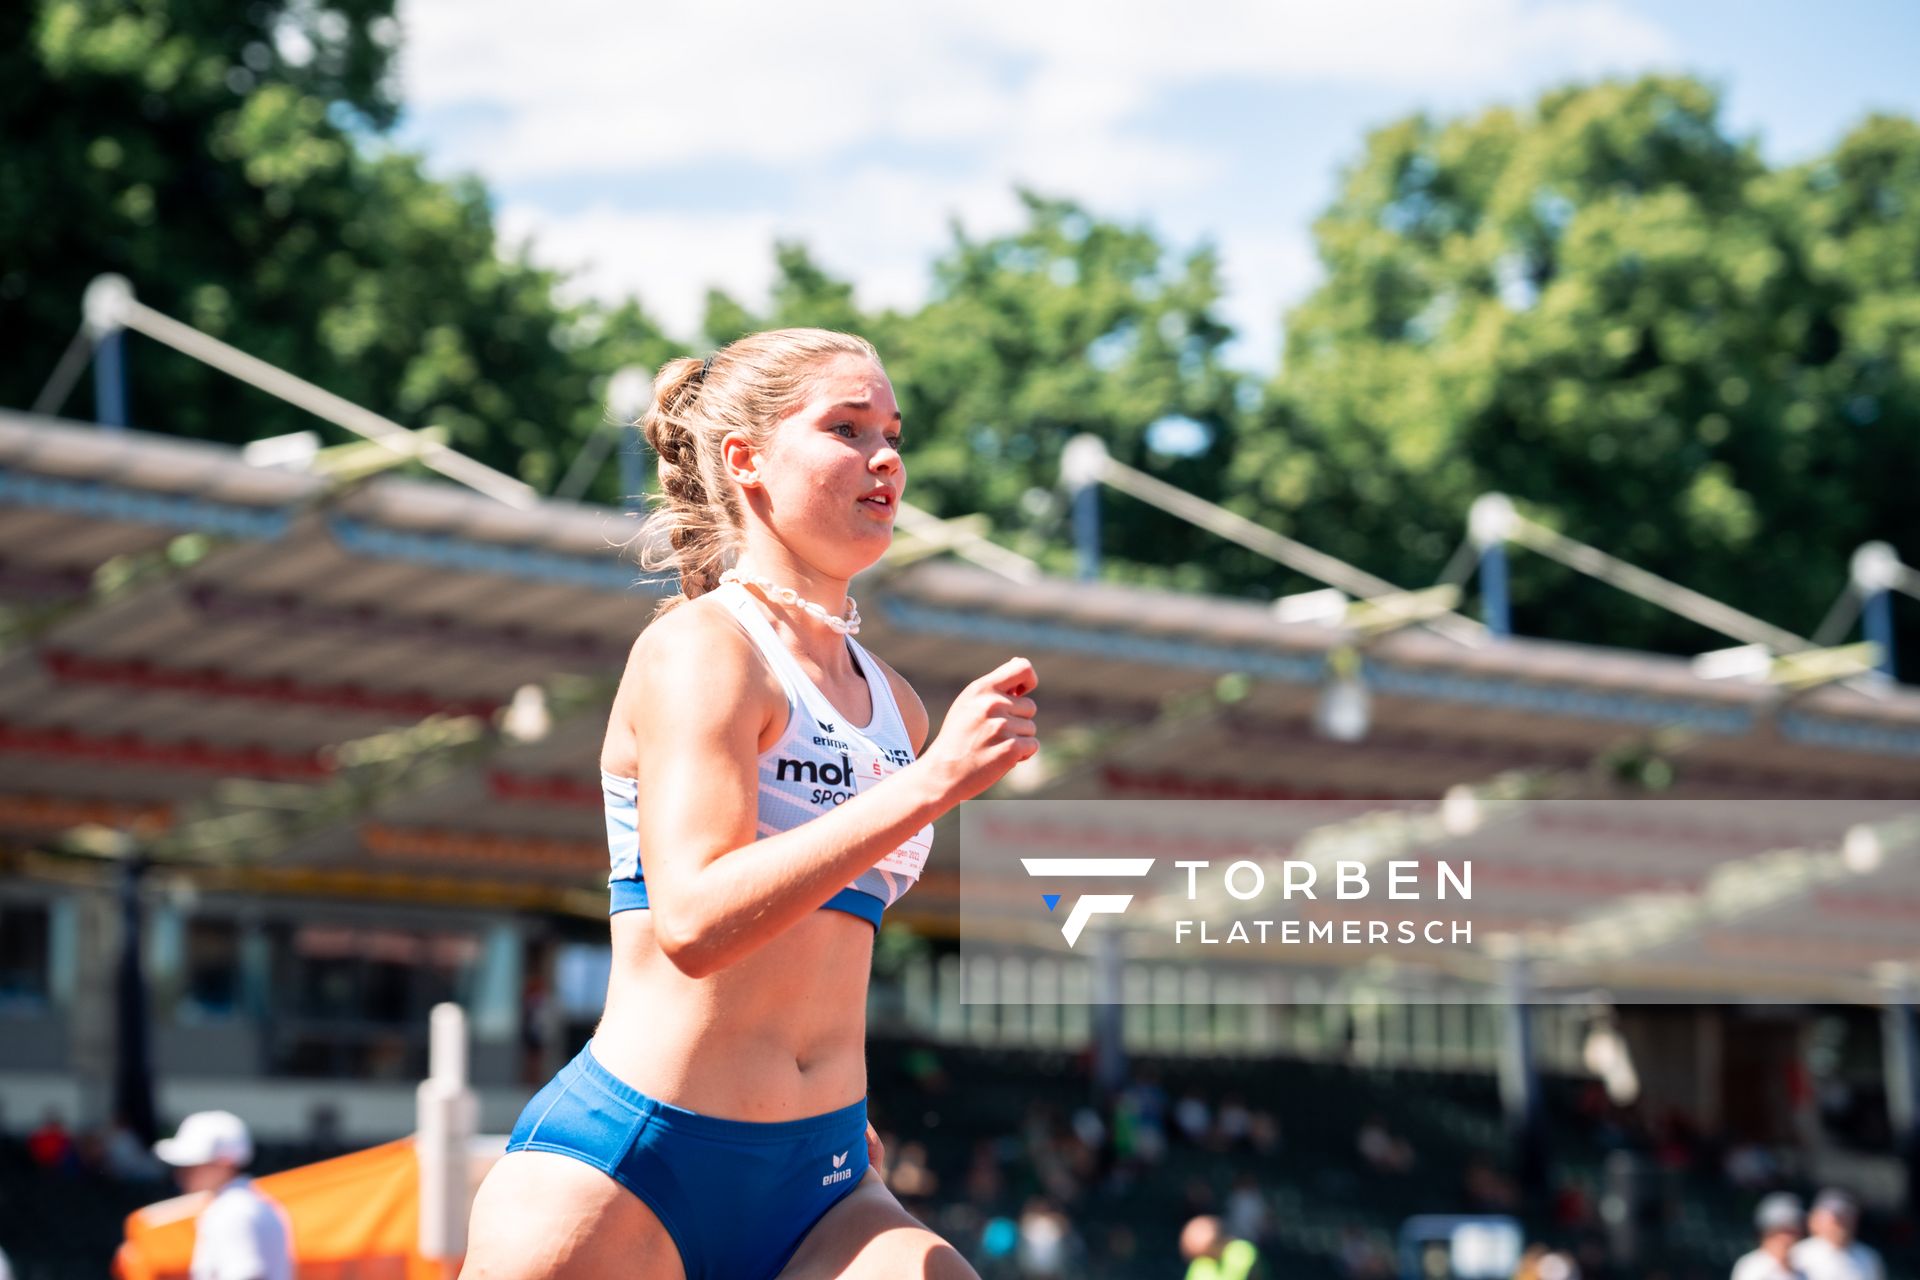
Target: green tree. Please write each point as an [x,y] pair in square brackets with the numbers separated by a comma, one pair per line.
[1610,309]
[228,160]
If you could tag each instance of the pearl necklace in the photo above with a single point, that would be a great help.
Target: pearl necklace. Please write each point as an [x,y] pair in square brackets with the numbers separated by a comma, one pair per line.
[847,626]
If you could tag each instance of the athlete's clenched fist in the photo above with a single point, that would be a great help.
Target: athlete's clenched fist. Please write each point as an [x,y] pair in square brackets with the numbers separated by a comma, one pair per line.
[988,730]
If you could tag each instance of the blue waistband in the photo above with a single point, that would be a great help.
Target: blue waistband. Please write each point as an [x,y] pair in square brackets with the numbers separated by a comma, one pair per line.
[714,1127]
[631,895]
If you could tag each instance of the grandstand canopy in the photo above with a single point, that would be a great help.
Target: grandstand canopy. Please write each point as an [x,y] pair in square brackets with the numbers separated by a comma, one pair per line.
[299,681]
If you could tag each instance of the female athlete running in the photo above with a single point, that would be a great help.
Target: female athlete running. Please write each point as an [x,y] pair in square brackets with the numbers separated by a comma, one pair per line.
[767,798]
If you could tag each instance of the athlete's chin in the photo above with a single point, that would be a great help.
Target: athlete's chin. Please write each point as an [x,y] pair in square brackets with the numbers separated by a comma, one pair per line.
[855,550]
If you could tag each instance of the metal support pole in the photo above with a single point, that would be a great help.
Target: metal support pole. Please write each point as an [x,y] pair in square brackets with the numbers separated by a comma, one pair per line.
[107,300]
[1081,465]
[1490,522]
[1875,569]
[1900,1037]
[1520,1080]
[1877,621]
[447,1116]
[629,392]
[132,1059]
[1109,1039]
[1086,531]
[1495,609]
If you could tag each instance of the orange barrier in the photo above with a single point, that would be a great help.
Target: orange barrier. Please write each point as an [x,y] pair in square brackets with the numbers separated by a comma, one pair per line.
[355,1217]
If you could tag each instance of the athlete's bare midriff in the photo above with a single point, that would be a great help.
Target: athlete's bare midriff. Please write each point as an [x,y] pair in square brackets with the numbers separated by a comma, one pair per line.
[778,1036]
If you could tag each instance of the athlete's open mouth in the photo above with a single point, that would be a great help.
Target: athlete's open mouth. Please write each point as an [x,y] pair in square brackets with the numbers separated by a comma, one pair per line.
[882,500]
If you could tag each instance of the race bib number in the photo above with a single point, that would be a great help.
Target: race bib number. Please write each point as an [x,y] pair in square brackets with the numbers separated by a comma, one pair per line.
[869,769]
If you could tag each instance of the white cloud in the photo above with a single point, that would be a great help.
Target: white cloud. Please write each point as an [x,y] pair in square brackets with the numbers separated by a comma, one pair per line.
[955,105]
[669,260]
[1266,269]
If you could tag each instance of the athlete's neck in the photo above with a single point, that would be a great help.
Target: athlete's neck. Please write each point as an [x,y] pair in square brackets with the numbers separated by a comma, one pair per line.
[830,594]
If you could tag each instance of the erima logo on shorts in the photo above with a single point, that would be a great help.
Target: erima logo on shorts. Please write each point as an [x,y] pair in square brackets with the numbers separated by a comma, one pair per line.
[840,1172]
[810,771]
[1088,905]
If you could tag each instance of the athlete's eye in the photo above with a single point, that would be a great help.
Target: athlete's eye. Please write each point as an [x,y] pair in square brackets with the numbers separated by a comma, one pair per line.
[847,427]
[894,440]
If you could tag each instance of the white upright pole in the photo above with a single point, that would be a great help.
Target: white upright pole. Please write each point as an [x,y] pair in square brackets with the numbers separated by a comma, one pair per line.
[447,1115]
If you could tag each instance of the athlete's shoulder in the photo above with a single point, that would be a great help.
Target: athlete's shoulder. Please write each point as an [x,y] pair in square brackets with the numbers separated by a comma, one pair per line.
[700,626]
[912,711]
[701,650]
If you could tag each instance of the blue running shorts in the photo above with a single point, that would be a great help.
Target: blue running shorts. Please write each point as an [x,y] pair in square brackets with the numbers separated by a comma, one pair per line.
[737,1197]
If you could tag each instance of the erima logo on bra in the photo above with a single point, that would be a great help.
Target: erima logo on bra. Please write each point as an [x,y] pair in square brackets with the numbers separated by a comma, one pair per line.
[839,1174]
[824,725]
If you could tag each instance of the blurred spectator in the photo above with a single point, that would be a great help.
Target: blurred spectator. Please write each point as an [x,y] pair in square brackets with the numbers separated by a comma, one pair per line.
[984,1181]
[1570,1206]
[1212,1253]
[535,1008]
[1193,1118]
[999,1245]
[1121,1245]
[1830,1251]
[1090,1128]
[911,1178]
[1361,1258]
[125,1158]
[241,1234]
[1140,1121]
[1264,1133]
[1235,1125]
[923,1067]
[323,1126]
[1751,1166]
[1247,1215]
[1046,1241]
[1381,1149]
[1542,1263]
[51,1145]
[1779,1222]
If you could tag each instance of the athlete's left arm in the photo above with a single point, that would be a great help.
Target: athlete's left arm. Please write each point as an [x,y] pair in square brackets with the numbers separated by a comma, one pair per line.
[912,710]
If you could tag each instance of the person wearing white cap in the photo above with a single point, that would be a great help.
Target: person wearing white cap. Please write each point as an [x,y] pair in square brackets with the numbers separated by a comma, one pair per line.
[1830,1252]
[241,1234]
[1780,1222]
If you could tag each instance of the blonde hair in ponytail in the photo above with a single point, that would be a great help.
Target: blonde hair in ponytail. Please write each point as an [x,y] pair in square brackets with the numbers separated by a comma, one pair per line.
[697,528]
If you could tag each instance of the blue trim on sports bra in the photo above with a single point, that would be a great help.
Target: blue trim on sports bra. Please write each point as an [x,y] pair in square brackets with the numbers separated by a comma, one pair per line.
[629,892]
[631,895]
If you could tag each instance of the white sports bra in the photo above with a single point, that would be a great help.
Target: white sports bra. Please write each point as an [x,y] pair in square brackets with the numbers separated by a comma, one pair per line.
[819,761]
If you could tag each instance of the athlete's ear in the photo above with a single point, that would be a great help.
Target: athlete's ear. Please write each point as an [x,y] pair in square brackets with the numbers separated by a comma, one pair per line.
[740,458]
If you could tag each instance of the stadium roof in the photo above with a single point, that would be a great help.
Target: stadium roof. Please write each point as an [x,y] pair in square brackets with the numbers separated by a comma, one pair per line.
[276,671]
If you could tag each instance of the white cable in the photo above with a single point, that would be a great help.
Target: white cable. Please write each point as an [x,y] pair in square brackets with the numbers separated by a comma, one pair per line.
[966,544]
[324,404]
[587,463]
[1709,613]
[1295,555]
[66,373]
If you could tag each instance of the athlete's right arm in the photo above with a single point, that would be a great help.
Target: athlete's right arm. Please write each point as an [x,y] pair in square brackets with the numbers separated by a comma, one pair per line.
[716,892]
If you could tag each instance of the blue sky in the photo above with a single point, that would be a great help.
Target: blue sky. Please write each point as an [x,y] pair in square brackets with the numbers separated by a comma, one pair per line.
[660,152]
